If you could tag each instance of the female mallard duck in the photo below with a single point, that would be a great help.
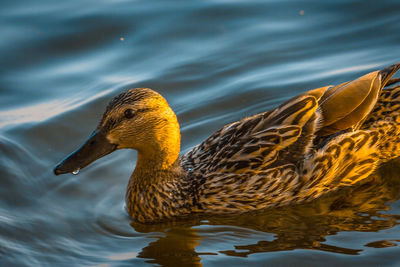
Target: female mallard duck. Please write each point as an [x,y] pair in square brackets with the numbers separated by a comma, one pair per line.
[317,142]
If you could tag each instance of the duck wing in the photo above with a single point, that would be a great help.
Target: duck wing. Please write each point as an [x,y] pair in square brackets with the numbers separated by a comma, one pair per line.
[261,141]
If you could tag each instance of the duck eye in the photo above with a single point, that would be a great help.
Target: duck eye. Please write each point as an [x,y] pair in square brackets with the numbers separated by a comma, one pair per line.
[129,113]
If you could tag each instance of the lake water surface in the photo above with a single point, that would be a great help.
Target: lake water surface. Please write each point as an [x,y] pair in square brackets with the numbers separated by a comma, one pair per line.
[216,61]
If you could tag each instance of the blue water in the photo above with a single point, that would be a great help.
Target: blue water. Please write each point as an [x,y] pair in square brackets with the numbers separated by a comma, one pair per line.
[215,62]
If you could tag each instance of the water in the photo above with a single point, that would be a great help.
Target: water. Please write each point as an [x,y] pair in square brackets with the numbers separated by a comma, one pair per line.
[215,62]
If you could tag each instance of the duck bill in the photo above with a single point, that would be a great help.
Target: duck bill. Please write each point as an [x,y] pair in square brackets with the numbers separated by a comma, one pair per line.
[95,147]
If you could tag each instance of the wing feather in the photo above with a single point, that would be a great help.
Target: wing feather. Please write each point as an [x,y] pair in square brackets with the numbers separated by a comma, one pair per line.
[257,141]
[348,105]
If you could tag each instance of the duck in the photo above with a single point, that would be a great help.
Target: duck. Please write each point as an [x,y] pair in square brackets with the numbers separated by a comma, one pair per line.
[313,144]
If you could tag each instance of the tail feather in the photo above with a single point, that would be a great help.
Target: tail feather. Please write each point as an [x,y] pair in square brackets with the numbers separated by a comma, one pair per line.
[392,81]
[388,72]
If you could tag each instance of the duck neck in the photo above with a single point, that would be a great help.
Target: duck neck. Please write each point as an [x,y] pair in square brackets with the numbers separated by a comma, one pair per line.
[149,168]
[154,188]
[160,155]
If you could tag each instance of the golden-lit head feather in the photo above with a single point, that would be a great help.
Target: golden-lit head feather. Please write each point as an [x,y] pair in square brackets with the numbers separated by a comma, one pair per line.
[141,119]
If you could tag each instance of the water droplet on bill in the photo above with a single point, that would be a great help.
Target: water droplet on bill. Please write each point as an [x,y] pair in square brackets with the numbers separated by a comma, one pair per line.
[76,172]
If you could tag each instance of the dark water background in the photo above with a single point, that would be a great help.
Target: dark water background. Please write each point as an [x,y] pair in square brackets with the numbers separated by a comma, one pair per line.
[215,62]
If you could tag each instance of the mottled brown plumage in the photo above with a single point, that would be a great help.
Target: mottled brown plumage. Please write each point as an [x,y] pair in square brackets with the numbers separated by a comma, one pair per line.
[318,142]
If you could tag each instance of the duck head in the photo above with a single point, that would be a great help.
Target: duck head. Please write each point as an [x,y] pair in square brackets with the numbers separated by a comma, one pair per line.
[139,119]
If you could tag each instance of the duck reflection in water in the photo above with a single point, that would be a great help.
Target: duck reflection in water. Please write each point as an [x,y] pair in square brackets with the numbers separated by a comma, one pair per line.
[303,226]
